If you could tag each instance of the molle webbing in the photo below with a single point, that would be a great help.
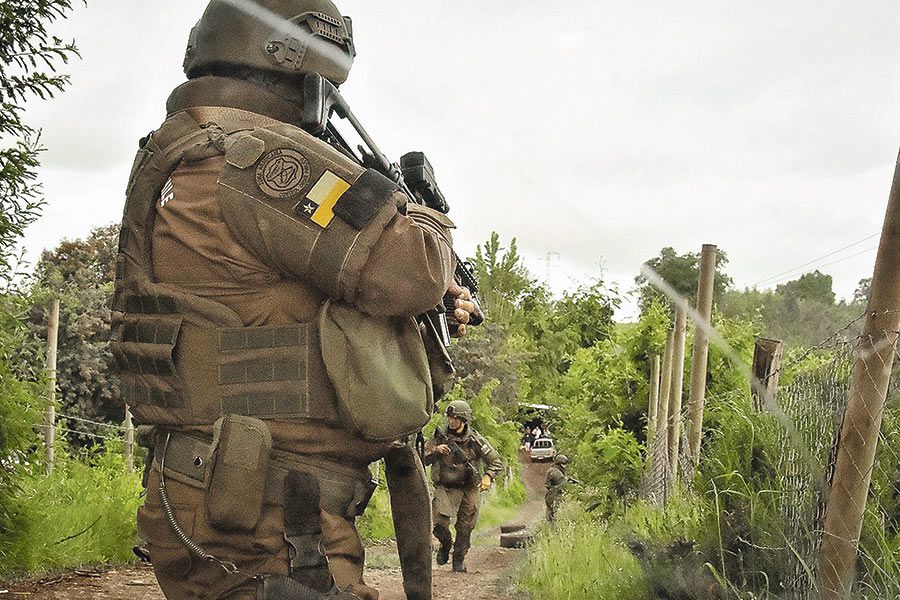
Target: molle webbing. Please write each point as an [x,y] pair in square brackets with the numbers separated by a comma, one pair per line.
[263,372]
[345,491]
[143,352]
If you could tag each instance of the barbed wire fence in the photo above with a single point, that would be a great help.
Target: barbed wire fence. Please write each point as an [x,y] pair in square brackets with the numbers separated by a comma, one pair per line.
[98,432]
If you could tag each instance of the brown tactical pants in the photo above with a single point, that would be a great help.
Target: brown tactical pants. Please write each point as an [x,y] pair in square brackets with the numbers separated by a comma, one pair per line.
[264,551]
[461,503]
[551,500]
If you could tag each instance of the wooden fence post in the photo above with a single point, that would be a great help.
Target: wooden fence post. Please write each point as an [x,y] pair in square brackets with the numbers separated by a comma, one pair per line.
[767,370]
[855,459]
[654,398]
[700,352]
[659,462]
[677,385]
[50,415]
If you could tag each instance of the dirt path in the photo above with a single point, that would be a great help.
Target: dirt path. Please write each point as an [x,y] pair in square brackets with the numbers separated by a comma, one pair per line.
[488,577]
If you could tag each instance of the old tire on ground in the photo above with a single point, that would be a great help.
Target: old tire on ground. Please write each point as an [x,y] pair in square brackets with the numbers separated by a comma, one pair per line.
[512,527]
[519,539]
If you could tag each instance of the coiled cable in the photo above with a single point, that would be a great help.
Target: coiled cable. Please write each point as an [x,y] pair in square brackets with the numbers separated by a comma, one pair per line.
[192,546]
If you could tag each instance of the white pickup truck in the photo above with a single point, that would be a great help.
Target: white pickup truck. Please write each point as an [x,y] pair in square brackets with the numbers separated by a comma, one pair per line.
[542,449]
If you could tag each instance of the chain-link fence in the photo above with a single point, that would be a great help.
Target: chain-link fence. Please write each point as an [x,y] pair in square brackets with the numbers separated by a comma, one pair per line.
[812,427]
[811,406]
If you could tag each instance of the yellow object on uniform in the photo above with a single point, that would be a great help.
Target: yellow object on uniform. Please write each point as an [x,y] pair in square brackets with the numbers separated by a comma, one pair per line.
[486,482]
[326,192]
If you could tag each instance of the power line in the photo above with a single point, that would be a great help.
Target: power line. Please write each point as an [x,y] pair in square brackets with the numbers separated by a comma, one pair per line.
[834,262]
[815,260]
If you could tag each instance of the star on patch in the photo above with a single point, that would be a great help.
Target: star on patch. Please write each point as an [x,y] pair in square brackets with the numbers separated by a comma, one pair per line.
[306,208]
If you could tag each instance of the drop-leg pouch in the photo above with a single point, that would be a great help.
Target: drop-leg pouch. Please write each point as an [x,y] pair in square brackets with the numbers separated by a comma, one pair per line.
[237,485]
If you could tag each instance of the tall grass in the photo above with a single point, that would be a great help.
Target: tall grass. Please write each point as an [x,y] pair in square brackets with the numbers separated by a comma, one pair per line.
[579,559]
[84,513]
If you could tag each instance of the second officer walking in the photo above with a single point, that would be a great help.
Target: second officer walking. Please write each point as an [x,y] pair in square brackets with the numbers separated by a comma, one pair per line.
[454,453]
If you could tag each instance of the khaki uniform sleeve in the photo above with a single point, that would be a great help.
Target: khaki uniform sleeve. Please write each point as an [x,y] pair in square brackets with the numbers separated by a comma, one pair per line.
[351,235]
[493,464]
[410,266]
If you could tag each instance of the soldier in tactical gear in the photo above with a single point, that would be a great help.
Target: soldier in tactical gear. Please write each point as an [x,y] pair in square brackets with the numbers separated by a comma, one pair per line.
[453,453]
[555,484]
[264,320]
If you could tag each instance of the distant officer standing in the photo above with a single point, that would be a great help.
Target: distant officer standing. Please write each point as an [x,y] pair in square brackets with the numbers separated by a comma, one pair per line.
[556,482]
[453,453]
[267,290]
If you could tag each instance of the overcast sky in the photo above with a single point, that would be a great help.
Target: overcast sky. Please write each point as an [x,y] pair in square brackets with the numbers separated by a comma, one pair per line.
[595,132]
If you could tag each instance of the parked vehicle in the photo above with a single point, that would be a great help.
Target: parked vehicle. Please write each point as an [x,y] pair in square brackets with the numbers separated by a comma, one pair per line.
[542,449]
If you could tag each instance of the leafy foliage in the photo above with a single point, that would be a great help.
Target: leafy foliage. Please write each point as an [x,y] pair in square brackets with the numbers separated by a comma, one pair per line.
[580,559]
[801,312]
[681,271]
[82,514]
[30,56]
[81,274]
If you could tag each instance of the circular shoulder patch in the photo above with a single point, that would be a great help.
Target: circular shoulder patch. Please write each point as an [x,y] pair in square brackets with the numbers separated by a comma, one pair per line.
[281,173]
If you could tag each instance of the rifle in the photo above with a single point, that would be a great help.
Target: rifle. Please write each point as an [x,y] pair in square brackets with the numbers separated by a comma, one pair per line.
[456,454]
[458,457]
[414,176]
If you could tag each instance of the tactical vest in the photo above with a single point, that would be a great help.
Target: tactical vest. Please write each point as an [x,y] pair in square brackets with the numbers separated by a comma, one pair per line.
[459,471]
[185,360]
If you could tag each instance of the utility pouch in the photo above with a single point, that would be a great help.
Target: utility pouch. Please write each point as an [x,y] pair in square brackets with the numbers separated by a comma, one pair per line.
[236,489]
[379,370]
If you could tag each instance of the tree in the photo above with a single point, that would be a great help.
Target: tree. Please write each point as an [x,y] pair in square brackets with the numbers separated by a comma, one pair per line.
[30,57]
[81,273]
[588,312]
[815,287]
[861,294]
[682,272]
[800,312]
[503,280]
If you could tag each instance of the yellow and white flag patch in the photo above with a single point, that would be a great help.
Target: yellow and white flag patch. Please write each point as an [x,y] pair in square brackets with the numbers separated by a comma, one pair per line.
[318,206]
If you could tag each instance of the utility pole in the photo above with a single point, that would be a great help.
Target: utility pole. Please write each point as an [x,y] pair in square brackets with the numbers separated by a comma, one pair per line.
[50,415]
[700,352]
[677,384]
[846,502]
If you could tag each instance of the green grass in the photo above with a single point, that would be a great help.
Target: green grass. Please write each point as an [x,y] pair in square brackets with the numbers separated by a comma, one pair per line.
[578,559]
[376,524]
[82,514]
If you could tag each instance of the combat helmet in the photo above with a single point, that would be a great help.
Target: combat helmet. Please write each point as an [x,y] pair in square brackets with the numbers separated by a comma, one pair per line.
[460,409]
[560,459]
[285,36]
